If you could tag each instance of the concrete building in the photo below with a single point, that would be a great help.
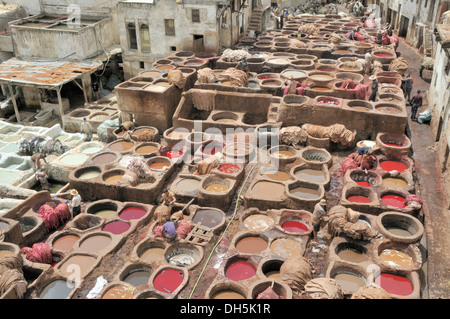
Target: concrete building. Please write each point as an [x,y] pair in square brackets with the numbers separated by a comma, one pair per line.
[8,13]
[153,29]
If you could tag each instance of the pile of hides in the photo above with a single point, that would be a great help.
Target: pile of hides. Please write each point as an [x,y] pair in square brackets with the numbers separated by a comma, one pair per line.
[370,292]
[357,36]
[323,288]
[309,29]
[161,212]
[184,228]
[293,135]
[204,100]
[54,217]
[12,277]
[428,63]
[38,253]
[337,133]
[377,66]
[177,78]
[356,160]
[206,75]
[296,272]
[370,23]
[350,64]
[301,89]
[295,43]
[361,91]
[399,65]
[237,78]
[230,55]
[413,201]
[348,85]
[205,166]
[334,38]
[342,220]
[139,167]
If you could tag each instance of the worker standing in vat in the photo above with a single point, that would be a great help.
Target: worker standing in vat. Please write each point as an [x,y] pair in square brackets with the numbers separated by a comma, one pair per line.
[169,229]
[243,65]
[75,203]
[86,128]
[42,177]
[416,103]
[36,159]
[374,87]
[319,212]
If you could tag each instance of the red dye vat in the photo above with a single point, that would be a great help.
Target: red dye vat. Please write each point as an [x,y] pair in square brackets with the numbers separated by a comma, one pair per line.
[393,284]
[295,226]
[172,154]
[328,102]
[393,166]
[240,270]
[358,199]
[383,55]
[393,144]
[394,200]
[168,280]
[116,227]
[229,168]
[132,213]
[364,183]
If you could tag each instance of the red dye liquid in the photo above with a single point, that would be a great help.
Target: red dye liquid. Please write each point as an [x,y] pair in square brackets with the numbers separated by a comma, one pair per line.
[294,226]
[172,154]
[116,227]
[364,183]
[240,270]
[394,144]
[383,55]
[168,280]
[329,102]
[229,168]
[393,166]
[393,284]
[358,199]
[393,200]
[132,213]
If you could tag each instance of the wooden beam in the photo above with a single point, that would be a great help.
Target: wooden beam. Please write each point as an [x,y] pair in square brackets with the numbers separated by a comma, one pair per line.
[61,107]
[82,88]
[16,109]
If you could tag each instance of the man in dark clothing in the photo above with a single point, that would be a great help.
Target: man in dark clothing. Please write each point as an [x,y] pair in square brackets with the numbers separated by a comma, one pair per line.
[416,103]
[374,87]
[96,89]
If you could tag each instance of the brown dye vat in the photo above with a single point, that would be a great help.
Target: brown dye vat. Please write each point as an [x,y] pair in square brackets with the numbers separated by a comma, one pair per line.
[105,158]
[5,252]
[352,255]
[84,262]
[349,281]
[268,190]
[347,68]
[216,187]
[105,213]
[207,217]
[311,175]
[251,245]
[119,292]
[388,109]
[283,154]
[228,294]
[394,182]
[151,74]
[162,83]
[121,146]
[277,176]
[146,149]
[188,185]
[271,83]
[95,243]
[165,67]
[398,231]
[397,258]
[305,192]
[158,165]
[342,51]
[153,254]
[360,108]
[286,247]
[178,135]
[114,178]
[318,88]
[89,175]
[258,222]
[143,131]
[65,243]
[320,77]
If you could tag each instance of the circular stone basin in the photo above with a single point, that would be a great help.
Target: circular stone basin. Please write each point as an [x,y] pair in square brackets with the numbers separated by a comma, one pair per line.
[65,242]
[165,67]
[316,156]
[216,188]
[296,75]
[137,277]
[27,223]
[143,134]
[311,175]
[258,222]
[282,154]
[159,165]
[208,217]
[188,185]
[272,83]
[172,154]
[396,258]
[147,149]
[168,280]
[251,245]
[118,292]
[342,52]
[225,117]
[74,159]
[268,190]
[359,199]
[363,179]
[389,165]
[150,74]
[394,182]
[328,100]
[383,55]
[182,256]
[393,200]
[113,177]
[95,243]
[55,289]
[229,168]
[271,268]
[400,227]
[240,270]
[286,247]
[305,191]
[394,284]
[350,281]
[294,99]
[88,173]
[130,213]
[152,254]
[91,148]
[227,294]
[351,252]
[277,175]
[360,105]
[116,227]
[104,210]
[295,226]
[104,158]
[120,146]
[389,109]
[320,77]
[80,113]
[84,263]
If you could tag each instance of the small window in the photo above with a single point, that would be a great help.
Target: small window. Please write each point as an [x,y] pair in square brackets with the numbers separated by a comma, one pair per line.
[142,64]
[173,49]
[132,36]
[145,38]
[195,15]
[169,26]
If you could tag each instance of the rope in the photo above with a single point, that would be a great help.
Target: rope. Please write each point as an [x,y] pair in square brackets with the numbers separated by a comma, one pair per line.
[223,233]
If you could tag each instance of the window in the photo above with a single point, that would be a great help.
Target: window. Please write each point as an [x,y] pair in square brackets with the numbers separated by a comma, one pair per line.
[145,38]
[142,64]
[195,15]
[169,26]
[173,48]
[132,39]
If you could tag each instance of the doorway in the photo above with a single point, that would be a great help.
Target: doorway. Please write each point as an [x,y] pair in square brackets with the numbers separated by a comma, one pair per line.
[403,28]
[199,44]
